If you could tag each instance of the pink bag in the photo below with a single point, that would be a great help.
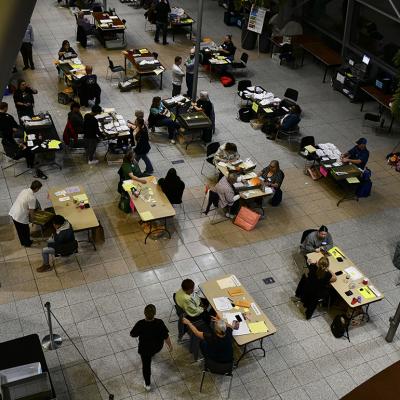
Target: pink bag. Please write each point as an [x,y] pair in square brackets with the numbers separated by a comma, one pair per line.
[132,204]
[324,171]
[247,219]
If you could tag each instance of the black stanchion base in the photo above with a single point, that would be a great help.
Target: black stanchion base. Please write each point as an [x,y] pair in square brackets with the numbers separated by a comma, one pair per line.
[47,344]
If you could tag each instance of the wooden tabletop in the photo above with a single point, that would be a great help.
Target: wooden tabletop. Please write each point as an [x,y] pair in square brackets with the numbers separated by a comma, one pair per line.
[378,95]
[80,219]
[342,284]
[152,203]
[211,290]
[323,53]
[116,22]
[133,55]
[253,194]
[68,73]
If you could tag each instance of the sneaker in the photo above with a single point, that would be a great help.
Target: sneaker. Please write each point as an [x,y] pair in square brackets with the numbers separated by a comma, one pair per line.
[147,387]
[44,268]
[172,141]
[93,162]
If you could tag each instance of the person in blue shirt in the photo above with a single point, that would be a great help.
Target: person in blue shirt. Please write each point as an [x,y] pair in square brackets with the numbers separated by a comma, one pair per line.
[287,123]
[358,155]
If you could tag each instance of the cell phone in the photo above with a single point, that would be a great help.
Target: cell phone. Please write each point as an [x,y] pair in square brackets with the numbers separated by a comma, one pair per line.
[348,293]
[338,273]
[238,318]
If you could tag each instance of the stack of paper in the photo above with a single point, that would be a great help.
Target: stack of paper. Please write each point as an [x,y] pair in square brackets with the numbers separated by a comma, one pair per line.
[222,303]
[243,328]
[230,281]
[258,327]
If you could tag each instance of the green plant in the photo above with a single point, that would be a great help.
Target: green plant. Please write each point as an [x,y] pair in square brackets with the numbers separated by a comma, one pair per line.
[396,97]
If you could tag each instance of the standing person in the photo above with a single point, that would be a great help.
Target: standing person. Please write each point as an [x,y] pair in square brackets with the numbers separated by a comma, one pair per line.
[26,48]
[189,64]
[162,10]
[142,144]
[74,125]
[177,76]
[22,209]
[91,133]
[23,99]
[88,88]
[152,334]
[173,186]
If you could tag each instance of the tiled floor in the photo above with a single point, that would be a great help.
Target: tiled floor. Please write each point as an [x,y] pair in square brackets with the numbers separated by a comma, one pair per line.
[99,305]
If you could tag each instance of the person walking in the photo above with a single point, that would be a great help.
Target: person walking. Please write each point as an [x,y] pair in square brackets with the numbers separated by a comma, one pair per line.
[189,64]
[162,10]
[22,209]
[177,76]
[152,334]
[142,144]
[26,48]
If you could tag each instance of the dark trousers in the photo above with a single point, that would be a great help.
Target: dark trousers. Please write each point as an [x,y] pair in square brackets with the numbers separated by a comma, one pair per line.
[85,96]
[28,155]
[171,125]
[189,84]
[91,145]
[176,89]
[146,159]
[161,26]
[26,52]
[23,233]
[234,208]
[146,367]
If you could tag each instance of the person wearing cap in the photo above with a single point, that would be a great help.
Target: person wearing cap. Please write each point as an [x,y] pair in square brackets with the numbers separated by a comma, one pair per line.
[189,64]
[317,241]
[217,344]
[91,133]
[358,155]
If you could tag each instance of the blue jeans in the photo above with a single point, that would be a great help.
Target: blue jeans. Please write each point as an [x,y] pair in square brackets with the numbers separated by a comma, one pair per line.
[171,125]
[161,26]
[46,251]
[149,166]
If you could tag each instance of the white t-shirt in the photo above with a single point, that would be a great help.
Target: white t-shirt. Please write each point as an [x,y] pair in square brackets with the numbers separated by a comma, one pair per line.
[177,75]
[25,201]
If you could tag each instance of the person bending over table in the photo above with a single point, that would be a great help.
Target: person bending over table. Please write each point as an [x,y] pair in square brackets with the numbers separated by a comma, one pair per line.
[315,285]
[172,186]
[204,104]
[226,153]
[23,98]
[159,117]
[273,177]
[358,155]
[317,241]
[227,198]
[152,334]
[91,133]
[216,345]
[129,170]
[63,236]
[66,52]
[142,145]
[89,89]
[227,48]
[287,123]
[194,306]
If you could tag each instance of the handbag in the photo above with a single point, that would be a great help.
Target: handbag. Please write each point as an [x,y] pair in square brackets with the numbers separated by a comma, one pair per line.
[246,219]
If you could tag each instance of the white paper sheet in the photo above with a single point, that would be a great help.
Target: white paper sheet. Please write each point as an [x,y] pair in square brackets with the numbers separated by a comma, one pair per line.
[230,281]
[354,273]
[222,303]
[243,328]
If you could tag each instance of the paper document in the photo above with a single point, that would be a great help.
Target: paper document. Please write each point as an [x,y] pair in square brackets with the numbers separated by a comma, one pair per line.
[243,328]
[222,303]
[268,190]
[310,148]
[81,197]
[255,309]
[66,198]
[354,273]
[249,175]
[29,143]
[146,215]
[72,189]
[54,144]
[258,327]
[366,292]
[32,136]
[159,70]
[376,291]
[352,179]
[60,193]
[237,291]
[228,282]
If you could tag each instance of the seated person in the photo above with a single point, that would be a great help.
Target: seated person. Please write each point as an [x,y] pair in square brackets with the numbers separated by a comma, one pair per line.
[66,52]
[317,241]
[191,303]
[89,88]
[159,116]
[172,186]
[204,104]
[358,155]
[227,197]
[227,48]
[216,345]
[273,177]
[63,236]
[287,123]
[129,170]
[314,287]
[226,153]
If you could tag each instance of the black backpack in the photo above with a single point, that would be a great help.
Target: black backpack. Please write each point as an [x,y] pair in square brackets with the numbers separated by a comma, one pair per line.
[245,114]
[338,326]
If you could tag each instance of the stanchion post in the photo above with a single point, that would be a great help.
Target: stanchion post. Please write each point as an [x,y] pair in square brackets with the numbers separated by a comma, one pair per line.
[393,325]
[52,341]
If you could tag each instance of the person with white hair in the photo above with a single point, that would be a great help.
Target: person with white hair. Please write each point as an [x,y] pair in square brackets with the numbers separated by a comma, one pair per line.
[189,64]
[217,344]
[204,104]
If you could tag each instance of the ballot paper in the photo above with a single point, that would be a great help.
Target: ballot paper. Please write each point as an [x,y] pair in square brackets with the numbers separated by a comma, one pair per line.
[268,190]
[29,143]
[32,136]
[72,189]
[243,328]
[222,303]
[249,175]
[66,198]
[60,193]
[230,281]
[354,273]
[159,70]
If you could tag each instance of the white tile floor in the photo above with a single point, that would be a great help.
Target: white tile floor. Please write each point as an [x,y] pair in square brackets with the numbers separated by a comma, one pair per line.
[98,308]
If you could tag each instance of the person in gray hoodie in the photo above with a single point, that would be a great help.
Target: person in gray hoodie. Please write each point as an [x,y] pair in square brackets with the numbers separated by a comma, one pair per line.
[63,236]
[318,241]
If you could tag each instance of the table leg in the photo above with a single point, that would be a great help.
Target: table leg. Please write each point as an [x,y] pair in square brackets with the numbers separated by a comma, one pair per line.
[191,31]
[245,351]
[351,196]
[162,73]
[140,82]
[159,229]
[125,65]
[391,124]
[326,70]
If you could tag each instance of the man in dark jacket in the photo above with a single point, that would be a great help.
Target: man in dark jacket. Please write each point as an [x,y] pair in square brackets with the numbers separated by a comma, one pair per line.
[63,239]
[287,123]
[91,133]
[162,10]
[89,89]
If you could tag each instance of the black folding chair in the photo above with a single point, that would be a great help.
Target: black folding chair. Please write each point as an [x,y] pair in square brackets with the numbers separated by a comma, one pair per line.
[213,367]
